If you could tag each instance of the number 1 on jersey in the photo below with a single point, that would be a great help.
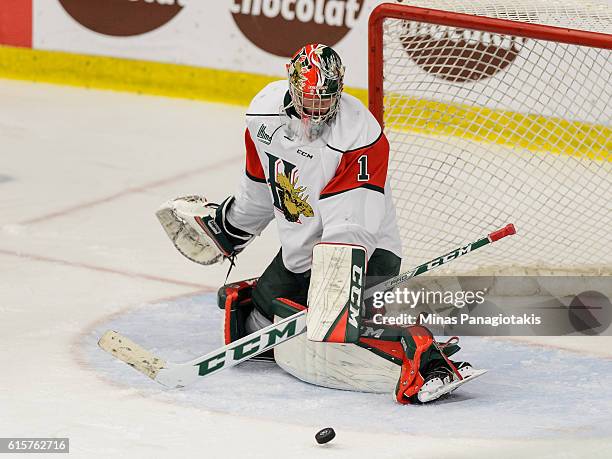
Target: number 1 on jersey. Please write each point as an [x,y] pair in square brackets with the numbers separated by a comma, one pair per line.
[363,169]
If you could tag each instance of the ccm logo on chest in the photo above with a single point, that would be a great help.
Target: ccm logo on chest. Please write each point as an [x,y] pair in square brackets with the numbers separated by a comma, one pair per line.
[304,154]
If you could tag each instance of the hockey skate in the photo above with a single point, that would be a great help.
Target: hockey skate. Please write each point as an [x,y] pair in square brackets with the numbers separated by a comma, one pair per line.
[441,380]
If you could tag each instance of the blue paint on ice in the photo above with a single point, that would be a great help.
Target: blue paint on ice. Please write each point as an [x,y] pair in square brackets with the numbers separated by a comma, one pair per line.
[530,392]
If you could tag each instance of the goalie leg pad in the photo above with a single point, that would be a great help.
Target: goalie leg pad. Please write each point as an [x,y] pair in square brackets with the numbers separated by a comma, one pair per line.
[236,299]
[335,296]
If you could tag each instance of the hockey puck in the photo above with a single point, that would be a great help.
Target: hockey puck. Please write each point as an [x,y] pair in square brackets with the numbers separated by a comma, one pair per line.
[325,435]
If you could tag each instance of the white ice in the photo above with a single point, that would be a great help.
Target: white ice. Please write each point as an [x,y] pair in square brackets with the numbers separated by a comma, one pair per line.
[81,173]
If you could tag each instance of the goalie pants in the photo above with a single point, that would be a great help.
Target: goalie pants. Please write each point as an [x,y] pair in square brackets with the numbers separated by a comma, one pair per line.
[278,282]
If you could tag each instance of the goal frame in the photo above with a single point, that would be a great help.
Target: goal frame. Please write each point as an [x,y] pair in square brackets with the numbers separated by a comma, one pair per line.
[461,20]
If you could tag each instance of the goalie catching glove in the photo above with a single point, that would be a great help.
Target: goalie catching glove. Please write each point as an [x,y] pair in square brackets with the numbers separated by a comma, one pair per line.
[200,230]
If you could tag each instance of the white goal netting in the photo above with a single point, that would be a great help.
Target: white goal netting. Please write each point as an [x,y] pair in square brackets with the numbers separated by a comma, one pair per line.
[493,128]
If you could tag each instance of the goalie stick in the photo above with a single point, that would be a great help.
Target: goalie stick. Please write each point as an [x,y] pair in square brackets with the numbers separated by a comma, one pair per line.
[174,375]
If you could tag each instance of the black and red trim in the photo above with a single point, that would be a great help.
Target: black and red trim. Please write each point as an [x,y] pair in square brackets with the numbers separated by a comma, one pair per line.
[337,332]
[254,171]
[349,171]
[297,306]
[388,350]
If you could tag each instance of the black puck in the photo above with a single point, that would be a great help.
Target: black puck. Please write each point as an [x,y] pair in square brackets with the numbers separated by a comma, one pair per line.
[325,435]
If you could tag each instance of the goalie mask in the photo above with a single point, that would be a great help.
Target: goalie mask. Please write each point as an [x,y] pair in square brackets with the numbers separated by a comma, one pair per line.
[315,85]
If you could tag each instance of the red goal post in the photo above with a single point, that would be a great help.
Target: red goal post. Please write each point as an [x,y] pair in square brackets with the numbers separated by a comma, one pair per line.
[447,18]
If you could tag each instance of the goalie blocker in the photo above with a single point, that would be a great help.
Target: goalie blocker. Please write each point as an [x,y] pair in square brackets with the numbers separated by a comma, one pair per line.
[341,350]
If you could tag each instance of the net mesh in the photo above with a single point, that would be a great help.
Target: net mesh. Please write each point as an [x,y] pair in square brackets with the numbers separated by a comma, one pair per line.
[488,129]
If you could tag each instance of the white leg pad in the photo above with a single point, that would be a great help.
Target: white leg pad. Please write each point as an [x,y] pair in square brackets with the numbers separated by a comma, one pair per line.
[337,366]
[335,296]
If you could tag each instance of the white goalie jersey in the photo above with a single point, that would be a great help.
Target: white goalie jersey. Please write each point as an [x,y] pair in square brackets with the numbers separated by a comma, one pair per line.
[332,189]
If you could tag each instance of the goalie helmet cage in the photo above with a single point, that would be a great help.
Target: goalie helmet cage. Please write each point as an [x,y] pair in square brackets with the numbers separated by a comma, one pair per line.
[498,112]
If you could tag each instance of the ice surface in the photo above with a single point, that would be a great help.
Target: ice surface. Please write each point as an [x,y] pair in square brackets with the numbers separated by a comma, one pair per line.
[81,251]
[541,392]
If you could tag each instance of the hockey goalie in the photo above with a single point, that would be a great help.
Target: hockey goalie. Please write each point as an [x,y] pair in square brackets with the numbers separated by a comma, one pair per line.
[316,162]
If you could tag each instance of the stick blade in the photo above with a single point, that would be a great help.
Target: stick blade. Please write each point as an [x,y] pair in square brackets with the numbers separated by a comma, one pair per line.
[131,353]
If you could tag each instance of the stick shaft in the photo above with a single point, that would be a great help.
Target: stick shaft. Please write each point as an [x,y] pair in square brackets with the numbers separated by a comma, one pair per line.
[439,261]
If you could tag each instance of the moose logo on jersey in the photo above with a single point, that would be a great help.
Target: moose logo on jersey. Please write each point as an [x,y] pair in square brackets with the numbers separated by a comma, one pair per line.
[293,203]
[287,194]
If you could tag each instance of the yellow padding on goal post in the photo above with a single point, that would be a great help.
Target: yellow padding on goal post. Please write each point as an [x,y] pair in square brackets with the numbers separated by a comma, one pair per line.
[532,132]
